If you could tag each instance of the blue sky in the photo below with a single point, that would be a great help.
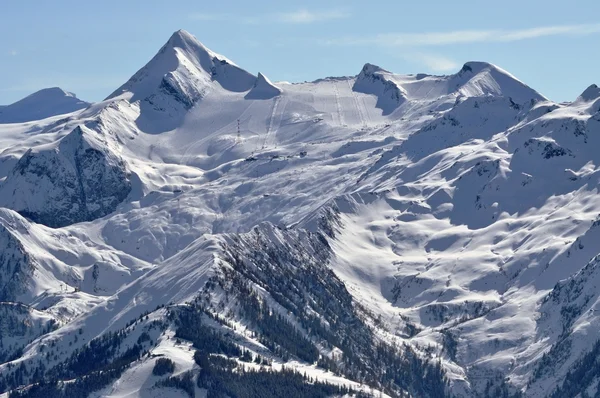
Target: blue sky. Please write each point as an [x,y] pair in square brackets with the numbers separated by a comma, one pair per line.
[91,48]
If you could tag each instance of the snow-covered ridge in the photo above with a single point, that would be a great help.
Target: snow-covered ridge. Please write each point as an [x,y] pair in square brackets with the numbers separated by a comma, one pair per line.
[76,179]
[482,78]
[263,88]
[41,105]
[425,235]
[184,68]
[377,81]
[590,94]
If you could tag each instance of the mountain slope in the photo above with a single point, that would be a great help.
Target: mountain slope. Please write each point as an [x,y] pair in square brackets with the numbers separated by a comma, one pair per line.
[399,235]
[263,89]
[182,73]
[41,105]
[78,179]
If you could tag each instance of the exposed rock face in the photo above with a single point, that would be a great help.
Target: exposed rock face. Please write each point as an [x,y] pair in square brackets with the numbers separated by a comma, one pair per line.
[77,180]
[377,81]
[15,266]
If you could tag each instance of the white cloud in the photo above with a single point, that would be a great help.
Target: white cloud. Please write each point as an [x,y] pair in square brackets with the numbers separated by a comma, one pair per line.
[302,16]
[224,18]
[13,53]
[306,16]
[467,36]
[435,63]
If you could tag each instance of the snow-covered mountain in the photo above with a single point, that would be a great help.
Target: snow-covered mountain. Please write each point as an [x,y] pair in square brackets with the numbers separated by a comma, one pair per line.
[78,179]
[374,235]
[41,105]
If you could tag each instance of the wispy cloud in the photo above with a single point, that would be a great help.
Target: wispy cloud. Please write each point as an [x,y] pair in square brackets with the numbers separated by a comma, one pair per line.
[466,36]
[434,62]
[302,16]
[13,53]
[224,18]
[306,16]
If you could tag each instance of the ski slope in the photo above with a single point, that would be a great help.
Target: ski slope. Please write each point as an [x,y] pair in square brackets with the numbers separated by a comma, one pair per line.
[458,213]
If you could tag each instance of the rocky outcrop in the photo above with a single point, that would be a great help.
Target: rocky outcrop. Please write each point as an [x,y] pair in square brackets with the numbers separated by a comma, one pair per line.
[79,179]
[16,267]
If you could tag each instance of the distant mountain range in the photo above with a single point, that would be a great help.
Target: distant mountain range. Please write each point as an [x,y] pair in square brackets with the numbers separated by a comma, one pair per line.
[41,105]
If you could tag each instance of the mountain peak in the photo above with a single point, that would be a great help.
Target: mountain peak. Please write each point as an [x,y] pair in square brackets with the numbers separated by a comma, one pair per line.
[591,93]
[185,68]
[50,93]
[263,88]
[476,67]
[191,46]
[182,35]
[369,69]
[377,81]
[478,78]
[57,91]
[42,104]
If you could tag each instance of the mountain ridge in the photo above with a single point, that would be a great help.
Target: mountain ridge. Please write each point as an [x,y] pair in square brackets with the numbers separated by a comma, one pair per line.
[395,235]
[42,104]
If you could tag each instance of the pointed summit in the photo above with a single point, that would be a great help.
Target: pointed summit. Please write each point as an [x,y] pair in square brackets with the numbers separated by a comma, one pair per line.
[589,100]
[375,80]
[184,70]
[369,69]
[194,50]
[477,79]
[45,103]
[181,36]
[263,89]
[590,94]
[476,67]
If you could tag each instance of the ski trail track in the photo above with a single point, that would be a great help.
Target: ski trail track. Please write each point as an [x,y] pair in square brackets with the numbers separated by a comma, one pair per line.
[337,104]
[357,105]
[231,127]
[270,129]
